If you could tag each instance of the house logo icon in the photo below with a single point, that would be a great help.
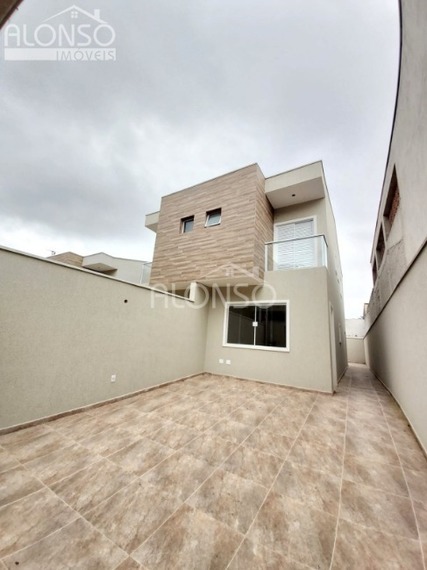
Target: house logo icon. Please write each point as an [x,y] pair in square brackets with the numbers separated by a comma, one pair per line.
[74,34]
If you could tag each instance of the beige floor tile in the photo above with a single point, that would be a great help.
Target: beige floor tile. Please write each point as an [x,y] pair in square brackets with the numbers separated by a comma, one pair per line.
[371,429]
[7,461]
[253,464]
[317,420]
[197,420]
[314,434]
[79,426]
[270,442]
[30,519]
[15,484]
[295,530]
[229,499]
[23,435]
[124,414]
[129,564]
[421,516]
[77,546]
[212,449]
[255,556]
[378,510]
[404,440]
[368,549]
[179,475]
[250,417]
[312,488]
[230,430]
[189,540]
[174,435]
[387,478]
[372,450]
[45,443]
[314,456]
[413,459]
[179,408]
[67,421]
[61,463]
[130,516]
[140,456]
[285,425]
[148,424]
[337,411]
[259,424]
[109,441]
[87,488]
[219,408]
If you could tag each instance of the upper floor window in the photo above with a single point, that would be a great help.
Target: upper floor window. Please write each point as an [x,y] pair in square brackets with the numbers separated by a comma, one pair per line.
[380,249]
[392,203]
[187,224]
[213,218]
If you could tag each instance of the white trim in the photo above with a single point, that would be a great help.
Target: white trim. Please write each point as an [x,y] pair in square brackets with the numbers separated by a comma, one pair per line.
[262,302]
[207,218]
[294,242]
[297,220]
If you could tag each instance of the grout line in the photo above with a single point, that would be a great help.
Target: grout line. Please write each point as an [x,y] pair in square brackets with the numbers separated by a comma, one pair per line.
[342,479]
[203,482]
[273,483]
[424,561]
[57,530]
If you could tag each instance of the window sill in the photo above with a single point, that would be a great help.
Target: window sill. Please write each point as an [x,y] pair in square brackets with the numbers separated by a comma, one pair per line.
[253,347]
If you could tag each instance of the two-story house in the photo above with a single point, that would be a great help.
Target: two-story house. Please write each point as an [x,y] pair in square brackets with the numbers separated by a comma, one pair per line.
[264,251]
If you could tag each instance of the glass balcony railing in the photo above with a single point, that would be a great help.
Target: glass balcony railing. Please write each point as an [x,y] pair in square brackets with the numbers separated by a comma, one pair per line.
[145,273]
[296,253]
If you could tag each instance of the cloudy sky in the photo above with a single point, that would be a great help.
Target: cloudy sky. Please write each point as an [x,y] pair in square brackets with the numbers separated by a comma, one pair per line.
[198,89]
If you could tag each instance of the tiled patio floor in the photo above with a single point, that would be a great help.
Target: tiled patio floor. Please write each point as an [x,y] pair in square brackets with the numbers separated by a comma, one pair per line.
[215,472]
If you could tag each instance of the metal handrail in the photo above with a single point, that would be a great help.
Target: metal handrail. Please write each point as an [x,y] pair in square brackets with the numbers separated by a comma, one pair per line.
[297,239]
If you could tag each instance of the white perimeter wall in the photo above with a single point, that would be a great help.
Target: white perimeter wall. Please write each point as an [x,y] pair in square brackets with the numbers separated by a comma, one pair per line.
[65,331]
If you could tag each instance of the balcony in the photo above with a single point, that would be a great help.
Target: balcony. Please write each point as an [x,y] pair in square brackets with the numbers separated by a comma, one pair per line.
[297,253]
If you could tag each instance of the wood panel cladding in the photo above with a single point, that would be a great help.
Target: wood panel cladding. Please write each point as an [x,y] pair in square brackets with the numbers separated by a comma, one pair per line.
[246,224]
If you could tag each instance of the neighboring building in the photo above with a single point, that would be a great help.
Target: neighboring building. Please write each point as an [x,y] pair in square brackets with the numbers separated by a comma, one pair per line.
[265,253]
[397,313]
[355,336]
[132,270]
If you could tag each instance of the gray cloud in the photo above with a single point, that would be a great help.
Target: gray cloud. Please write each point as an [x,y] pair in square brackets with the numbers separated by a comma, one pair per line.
[86,149]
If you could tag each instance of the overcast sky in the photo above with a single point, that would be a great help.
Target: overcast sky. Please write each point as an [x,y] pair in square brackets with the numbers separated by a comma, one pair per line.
[198,89]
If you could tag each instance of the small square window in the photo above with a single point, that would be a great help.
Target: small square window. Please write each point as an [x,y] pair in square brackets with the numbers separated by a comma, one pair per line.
[187,224]
[213,218]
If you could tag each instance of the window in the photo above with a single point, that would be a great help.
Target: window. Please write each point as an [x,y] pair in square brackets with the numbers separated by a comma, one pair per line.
[213,218]
[187,224]
[261,325]
[296,246]
[392,204]
[380,248]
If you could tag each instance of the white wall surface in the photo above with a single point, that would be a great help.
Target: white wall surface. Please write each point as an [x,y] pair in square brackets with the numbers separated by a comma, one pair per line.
[307,364]
[397,338]
[65,331]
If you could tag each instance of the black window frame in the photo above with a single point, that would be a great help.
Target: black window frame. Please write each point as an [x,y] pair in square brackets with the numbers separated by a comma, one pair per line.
[184,221]
[259,312]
